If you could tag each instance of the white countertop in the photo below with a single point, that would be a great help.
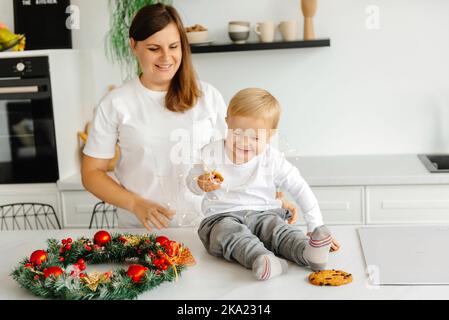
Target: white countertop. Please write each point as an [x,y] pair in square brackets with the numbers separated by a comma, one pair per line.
[345,171]
[366,170]
[214,278]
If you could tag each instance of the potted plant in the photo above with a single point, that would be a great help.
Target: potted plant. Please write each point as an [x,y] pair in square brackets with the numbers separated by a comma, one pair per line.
[117,45]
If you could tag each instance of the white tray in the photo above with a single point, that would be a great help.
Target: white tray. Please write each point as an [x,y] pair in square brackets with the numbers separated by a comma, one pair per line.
[406,255]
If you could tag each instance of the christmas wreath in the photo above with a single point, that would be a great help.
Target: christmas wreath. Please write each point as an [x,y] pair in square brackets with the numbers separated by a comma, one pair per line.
[59,271]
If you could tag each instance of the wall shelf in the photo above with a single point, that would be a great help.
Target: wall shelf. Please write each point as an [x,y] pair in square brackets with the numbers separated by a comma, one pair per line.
[250,46]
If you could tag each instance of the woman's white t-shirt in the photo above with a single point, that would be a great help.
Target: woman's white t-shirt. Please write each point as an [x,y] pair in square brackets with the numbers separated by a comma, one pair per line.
[157,146]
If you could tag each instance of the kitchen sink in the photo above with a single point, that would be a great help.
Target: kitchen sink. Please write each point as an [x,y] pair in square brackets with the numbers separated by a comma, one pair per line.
[435,162]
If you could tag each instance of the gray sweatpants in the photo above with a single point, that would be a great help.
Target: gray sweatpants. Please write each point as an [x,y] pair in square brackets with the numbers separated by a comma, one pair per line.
[244,235]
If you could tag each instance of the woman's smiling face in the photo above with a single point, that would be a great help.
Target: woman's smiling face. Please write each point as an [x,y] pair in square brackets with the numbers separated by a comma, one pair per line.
[159,56]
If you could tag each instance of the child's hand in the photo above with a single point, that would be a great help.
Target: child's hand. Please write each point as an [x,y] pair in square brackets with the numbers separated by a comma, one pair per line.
[210,181]
[335,245]
[288,206]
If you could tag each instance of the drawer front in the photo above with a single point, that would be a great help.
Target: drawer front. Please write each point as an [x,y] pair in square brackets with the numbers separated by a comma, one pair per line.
[38,194]
[339,205]
[408,204]
[50,198]
[78,207]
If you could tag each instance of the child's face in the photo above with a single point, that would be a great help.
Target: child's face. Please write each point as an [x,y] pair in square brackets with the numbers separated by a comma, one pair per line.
[247,137]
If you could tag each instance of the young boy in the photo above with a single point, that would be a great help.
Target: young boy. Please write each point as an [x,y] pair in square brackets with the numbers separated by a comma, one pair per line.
[239,177]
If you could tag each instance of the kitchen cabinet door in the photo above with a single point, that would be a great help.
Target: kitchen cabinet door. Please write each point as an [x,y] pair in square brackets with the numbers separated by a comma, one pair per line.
[77,208]
[339,205]
[33,193]
[407,204]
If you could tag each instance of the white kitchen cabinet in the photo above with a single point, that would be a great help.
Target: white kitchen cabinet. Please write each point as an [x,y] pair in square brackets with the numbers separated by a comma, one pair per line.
[77,208]
[407,204]
[32,193]
[339,205]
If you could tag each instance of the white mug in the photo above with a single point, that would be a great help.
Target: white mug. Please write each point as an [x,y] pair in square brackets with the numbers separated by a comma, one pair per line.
[265,31]
[289,30]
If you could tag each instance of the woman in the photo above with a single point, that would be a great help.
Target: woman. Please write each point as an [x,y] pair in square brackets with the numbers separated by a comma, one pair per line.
[161,120]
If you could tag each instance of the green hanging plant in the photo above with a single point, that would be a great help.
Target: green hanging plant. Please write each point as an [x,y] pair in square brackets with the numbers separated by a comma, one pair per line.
[117,45]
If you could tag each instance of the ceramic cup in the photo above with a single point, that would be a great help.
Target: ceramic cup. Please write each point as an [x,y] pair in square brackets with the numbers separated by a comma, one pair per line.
[289,30]
[238,31]
[265,31]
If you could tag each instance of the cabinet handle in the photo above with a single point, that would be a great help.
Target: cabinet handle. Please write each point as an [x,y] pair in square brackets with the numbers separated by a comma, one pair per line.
[389,204]
[334,205]
[84,209]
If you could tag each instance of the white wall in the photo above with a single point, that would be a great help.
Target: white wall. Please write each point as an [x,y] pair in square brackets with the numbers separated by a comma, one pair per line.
[7,13]
[372,91]
[94,25]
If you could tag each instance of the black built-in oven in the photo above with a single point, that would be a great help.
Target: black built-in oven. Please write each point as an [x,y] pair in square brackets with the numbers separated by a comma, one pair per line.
[27,131]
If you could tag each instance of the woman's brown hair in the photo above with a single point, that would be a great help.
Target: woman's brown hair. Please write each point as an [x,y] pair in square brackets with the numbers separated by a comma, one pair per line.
[183,91]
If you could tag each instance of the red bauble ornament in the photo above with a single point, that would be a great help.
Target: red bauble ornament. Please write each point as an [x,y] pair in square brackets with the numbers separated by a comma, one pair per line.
[172,248]
[38,256]
[102,237]
[162,240]
[136,272]
[55,271]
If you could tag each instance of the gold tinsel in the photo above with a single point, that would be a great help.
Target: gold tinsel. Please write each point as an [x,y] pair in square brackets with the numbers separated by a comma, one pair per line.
[134,241]
[93,280]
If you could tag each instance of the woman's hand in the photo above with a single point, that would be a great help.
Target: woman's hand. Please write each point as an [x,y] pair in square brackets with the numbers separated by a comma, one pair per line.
[335,245]
[148,211]
[208,182]
[288,206]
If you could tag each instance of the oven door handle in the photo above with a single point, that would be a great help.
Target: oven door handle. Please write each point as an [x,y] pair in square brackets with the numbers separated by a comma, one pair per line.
[38,88]
[19,89]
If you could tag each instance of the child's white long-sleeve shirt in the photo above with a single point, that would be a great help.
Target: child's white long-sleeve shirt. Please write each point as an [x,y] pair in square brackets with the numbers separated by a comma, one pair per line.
[253,185]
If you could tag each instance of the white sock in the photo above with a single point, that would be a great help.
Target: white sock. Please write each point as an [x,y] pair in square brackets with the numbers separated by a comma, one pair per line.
[268,266]
[316,251]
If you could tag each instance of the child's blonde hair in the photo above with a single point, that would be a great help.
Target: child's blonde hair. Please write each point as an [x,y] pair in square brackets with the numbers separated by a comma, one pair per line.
[255,103]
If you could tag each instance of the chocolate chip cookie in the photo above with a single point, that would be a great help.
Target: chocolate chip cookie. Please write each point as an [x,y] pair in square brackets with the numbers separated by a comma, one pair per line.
[330,278]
